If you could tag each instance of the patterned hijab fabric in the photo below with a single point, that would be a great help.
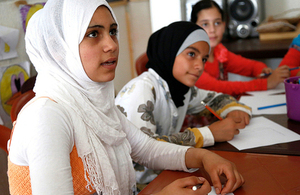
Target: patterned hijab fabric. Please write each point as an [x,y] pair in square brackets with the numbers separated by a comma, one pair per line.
[163,47]
[52,43]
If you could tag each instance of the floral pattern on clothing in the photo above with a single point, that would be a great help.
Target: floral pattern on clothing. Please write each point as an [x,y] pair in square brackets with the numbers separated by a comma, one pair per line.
[222,100]
[148,132]
[186,138]
[147,111]
[209,97]
[193,93]
[122,110]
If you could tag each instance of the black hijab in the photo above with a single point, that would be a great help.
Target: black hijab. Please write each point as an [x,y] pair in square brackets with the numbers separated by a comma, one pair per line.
[162,49]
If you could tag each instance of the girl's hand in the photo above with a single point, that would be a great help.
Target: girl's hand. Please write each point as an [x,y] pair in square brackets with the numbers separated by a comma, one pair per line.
[225,129]
[278,76]
[266,71]
[239,117]
[215,166]
[184,186]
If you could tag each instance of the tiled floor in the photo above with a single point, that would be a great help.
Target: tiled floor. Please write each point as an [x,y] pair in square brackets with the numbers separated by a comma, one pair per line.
[3,173]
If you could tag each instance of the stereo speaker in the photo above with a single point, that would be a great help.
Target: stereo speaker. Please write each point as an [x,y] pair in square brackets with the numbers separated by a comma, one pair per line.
[243,17]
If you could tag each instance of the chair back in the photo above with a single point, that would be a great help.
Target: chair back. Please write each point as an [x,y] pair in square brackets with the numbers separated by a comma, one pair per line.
[19,102]
[4,137]
[140,64]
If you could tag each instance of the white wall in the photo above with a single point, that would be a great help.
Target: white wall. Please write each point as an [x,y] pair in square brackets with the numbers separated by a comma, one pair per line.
[123,73]
[140,28]
[164,12]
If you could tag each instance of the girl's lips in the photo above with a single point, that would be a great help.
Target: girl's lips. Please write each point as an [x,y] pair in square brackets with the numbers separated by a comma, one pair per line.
[212,38]
[195,75]
[110,64]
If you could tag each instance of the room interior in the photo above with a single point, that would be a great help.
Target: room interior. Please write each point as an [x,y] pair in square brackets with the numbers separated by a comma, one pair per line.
[137,20]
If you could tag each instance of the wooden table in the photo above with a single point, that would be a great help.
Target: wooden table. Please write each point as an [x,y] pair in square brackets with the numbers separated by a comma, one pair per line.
[253,48]
[267,170]
[263,173]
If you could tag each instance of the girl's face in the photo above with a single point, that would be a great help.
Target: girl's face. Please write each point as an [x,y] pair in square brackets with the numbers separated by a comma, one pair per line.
[99,48]
[211,21]
[189,64]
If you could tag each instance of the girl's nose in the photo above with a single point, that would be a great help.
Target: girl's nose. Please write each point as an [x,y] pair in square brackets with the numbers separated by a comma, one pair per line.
[212,28]
[199,65]
[110,44]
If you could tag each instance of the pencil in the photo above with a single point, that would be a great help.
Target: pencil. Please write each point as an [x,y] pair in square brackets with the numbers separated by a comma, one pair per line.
[196,187]
[211,110]
[271,106]
[264,74]
[295,68]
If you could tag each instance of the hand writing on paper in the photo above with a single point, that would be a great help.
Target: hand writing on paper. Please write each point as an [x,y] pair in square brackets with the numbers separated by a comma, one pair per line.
[225,129]
[239,117]
[278,76]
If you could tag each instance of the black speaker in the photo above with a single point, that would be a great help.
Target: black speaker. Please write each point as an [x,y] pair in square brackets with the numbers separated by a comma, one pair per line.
[243,17]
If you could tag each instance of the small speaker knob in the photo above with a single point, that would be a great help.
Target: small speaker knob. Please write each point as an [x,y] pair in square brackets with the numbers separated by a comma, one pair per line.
[243,30]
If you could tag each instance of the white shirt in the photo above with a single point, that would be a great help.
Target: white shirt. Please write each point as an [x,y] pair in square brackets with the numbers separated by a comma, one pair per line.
[147,97]
[43,139]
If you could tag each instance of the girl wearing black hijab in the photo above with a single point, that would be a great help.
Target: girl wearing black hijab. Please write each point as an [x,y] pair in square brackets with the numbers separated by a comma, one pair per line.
[158,100]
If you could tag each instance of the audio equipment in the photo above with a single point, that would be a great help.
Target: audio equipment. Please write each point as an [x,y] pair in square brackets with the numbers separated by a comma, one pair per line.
[243,17]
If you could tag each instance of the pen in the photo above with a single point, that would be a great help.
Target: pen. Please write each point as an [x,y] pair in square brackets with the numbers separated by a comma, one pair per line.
[211,110]
[271,106]
[295,68]
[264,74]
[196,187]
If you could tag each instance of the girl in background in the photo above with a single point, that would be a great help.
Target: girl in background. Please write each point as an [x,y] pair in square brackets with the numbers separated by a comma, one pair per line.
[158,100]
[208,15]
[292,57]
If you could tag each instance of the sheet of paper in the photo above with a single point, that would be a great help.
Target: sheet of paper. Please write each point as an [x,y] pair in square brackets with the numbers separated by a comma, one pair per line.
[259,101]
[9,38]
[262,132]
[213,192]
[279,89]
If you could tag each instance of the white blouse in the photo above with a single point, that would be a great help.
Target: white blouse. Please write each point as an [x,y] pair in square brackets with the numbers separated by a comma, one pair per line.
[43,139]
[146,101]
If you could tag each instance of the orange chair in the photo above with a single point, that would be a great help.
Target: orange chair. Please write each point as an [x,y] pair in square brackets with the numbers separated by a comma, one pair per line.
[140,64]
[19,102]
[4,137]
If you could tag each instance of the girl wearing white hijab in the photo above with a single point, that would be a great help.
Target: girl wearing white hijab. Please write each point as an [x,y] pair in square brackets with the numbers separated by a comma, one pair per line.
[70,138]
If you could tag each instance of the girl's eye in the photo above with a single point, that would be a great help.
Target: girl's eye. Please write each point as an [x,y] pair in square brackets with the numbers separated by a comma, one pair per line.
[192,54]
[93,34]
[113,32]
[217,23]
[204,60]
[204,25]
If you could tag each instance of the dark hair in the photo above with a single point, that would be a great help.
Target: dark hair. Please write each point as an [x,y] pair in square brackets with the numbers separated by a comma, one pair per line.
[204,4]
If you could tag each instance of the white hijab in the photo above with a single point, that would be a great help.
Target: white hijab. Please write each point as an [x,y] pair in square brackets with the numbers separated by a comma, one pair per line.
[52,42]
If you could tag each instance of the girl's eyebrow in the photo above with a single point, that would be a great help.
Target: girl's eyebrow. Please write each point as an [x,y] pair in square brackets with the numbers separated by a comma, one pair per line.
[101,26]
[193,48]
[208,20]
